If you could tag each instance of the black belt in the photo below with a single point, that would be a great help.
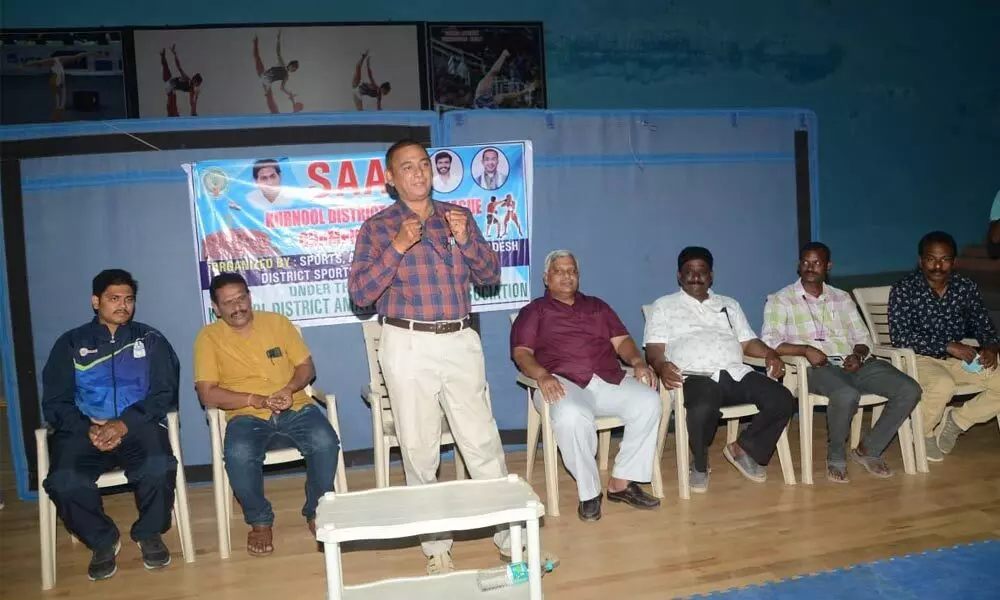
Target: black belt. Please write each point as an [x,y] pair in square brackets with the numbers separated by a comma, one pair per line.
[432,327]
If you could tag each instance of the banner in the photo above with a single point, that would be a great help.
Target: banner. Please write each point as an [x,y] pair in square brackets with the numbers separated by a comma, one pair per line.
[289,225]
[486,65]
[251,70]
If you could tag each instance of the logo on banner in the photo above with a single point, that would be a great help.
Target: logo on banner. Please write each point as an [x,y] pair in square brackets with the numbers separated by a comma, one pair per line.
[215,181]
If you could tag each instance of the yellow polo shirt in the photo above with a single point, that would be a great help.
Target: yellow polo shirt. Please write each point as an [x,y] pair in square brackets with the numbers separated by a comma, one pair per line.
[261,363]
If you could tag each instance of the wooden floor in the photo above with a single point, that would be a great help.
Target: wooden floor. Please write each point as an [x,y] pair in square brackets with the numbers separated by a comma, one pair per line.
[737,534]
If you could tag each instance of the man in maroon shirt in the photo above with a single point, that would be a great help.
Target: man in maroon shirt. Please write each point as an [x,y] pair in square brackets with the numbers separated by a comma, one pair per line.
[570,344]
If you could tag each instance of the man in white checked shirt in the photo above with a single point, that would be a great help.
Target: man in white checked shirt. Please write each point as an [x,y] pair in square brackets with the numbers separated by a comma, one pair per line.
[695,339]
[812,319]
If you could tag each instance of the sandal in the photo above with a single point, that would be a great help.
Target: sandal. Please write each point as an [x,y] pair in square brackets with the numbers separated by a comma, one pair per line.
[260,536]
[873,464]
[837,474]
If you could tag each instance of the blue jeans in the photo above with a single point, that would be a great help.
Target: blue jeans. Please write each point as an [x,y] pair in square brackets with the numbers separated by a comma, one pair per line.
[247,440]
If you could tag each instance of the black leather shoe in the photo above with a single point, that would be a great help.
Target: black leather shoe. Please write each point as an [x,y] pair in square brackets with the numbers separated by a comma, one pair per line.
[590,510]
[634,497]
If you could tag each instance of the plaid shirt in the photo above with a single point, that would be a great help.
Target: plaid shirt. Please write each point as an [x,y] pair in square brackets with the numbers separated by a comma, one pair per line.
[830,322]
[431,281]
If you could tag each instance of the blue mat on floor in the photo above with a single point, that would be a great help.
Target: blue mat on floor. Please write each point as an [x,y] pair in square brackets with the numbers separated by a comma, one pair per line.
[966,572]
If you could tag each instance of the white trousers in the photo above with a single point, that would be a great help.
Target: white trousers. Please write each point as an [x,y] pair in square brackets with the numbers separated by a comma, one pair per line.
[573,424]
[426,373]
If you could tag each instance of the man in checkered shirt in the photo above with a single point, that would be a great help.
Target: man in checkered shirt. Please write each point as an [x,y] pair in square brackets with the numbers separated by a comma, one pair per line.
[416,261]
[812,319]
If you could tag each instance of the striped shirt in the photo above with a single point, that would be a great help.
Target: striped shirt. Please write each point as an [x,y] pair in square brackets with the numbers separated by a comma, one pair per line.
[429,282]
[830,322]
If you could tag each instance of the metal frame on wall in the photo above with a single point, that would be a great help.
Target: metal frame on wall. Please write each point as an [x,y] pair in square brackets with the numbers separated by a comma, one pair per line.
[495,64]
[319,85]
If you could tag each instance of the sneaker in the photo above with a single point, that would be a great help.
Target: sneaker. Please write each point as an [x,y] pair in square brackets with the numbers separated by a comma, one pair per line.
[933,450]
[154,553]
[747,466]
[947,431]
[103,564]
[698,481]
[440,564]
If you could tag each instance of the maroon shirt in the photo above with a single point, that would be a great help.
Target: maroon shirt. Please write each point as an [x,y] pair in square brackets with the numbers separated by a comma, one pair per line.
[571,341]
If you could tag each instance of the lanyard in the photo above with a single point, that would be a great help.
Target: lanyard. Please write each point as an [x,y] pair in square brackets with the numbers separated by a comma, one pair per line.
[817,324]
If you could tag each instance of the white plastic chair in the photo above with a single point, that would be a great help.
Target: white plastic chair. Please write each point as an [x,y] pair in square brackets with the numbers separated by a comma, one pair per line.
[542,422]
[874,303]
[797,381]
[220,478]
[383,426]
[47,509]
[730,414]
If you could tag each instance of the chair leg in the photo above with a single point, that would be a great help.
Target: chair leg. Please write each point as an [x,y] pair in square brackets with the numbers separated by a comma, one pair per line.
[732,430]
[221,514]
[47,540]
[905,435]
[182,517]
[534,428]
[229,512]
[657,482]
[459,464]
[919,445]
[683,447]
[856,422]
[551,458]
[785,458]
[603,449]
[386,449]
[806,416]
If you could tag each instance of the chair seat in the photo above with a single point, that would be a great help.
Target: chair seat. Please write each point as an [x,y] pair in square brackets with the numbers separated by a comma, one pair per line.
[738,411]
[284,455]
[389,425]
[965,390]
[112,479]
[866,400]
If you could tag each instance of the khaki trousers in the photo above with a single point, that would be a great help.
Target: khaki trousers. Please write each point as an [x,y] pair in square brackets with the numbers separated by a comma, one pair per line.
[426,373]
[938,378]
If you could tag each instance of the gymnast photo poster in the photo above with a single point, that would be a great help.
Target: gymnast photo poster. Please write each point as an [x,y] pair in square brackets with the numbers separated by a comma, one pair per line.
[54,76]
[252,70]
[486,65]
[289,224]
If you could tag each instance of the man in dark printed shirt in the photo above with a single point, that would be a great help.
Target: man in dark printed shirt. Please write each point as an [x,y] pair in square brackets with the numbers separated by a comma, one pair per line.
[931,311]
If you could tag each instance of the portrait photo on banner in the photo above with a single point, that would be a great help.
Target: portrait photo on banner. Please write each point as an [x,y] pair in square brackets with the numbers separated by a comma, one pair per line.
[484,65]
[55,76]
[289,224]
[251,70]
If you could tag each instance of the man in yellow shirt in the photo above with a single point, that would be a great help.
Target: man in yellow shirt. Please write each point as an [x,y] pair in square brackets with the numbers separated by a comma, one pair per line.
[254,366]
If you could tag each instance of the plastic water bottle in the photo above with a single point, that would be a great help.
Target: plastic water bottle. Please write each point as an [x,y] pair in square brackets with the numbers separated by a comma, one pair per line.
[499,578]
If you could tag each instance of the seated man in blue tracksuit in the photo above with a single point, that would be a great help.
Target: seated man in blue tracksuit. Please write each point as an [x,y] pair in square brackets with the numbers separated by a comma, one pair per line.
[106,390]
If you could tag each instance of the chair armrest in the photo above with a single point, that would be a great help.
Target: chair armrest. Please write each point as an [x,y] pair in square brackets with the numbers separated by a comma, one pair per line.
[971,342]
[904,359]
[797,363]
[753,361]
[526,381]
[330,401]
[42,453]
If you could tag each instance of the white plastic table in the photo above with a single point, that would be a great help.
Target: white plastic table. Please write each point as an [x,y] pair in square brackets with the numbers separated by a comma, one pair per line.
[405,511]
